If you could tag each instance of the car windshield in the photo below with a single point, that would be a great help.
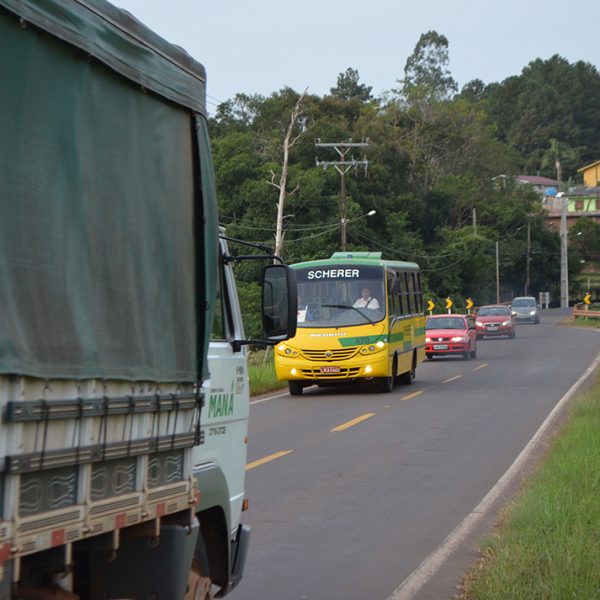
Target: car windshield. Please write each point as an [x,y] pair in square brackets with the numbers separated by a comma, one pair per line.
[493,311]
[340,295]
[445,323]
[523,302]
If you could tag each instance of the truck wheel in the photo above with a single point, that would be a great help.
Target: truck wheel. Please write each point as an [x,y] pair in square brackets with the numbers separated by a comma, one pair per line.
[295,388]
[199,586]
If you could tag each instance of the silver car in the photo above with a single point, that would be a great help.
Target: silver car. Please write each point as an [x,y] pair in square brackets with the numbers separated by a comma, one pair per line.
[525,309]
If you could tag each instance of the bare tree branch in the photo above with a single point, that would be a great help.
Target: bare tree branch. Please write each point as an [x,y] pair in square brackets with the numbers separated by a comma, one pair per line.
[288,142]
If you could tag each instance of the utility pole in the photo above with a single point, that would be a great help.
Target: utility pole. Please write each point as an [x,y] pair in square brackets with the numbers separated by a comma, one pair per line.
[564,253]
[342,166]
[528,259]
[497,274]
[475,222]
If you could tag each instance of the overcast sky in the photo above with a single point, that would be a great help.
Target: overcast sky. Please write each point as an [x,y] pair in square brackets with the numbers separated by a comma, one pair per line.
[261,46]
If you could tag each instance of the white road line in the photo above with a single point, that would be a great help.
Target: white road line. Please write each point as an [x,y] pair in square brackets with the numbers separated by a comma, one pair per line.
[269,398]
[452,379]
[429,567]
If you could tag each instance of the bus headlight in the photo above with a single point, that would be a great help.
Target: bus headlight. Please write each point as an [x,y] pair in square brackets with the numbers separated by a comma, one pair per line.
[286,350]
[372,348]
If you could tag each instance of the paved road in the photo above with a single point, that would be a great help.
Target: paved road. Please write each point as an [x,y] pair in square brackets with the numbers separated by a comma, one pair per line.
[350,513]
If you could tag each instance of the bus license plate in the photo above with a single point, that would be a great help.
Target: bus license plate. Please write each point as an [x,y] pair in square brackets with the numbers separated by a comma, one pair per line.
[330,369]
[441,347]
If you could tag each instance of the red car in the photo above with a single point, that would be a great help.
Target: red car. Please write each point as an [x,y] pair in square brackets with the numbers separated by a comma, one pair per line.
[496,319]
[450,334]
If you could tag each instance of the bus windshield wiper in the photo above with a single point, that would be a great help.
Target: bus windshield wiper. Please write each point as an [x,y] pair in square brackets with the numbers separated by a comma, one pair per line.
[352,308]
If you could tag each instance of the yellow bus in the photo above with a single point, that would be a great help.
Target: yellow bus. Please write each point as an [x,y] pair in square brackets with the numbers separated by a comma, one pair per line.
[360,317]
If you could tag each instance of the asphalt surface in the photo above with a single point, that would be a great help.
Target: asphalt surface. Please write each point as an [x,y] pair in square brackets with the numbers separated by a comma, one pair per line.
[351,513]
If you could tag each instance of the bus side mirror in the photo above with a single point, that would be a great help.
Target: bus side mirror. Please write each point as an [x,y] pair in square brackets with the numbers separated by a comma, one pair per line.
[279,303]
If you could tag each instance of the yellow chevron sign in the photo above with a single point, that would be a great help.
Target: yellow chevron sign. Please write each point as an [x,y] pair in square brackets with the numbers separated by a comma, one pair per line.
[430,305]
[449,303]
[587,298]
[469,304]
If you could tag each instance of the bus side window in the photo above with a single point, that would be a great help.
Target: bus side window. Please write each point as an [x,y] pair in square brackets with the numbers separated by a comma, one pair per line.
[391,283]
[411,293]
[404,294]
[419,291]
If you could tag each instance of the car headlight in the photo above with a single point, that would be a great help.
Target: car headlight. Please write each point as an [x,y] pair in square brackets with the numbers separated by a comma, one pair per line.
[505,323]
[427,340]
[479,323]
[459,338]
[286,350]
[532,312]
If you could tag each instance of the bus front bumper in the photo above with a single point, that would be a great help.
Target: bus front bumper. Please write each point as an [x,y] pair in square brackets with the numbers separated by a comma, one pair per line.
[360,367]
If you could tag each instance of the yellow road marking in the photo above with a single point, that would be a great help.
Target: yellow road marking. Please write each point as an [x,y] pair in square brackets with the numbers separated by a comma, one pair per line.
[266,459]
[452,379]
[413,395]
[353,422]
[483,366]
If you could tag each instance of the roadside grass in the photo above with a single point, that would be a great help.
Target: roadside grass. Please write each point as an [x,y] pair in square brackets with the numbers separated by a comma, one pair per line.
[547,546]
[591,322]
[261,371]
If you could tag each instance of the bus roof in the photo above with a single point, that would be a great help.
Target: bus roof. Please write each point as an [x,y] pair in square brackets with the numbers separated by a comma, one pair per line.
[372,259]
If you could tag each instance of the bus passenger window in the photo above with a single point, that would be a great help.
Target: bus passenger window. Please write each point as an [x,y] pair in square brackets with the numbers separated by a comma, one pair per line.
[419,292]
[403,294]
[391,282]
[411,293]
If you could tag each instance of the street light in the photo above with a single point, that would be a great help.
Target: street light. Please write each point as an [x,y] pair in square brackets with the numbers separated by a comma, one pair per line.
[344,223]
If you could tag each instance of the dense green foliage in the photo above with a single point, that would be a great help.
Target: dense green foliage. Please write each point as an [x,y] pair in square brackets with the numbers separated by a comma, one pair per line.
[434,160]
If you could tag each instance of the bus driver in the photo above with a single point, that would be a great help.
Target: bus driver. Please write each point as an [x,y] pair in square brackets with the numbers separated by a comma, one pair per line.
[366,300]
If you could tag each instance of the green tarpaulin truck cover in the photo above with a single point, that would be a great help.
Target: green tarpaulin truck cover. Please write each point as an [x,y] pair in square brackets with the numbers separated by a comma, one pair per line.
[107,202]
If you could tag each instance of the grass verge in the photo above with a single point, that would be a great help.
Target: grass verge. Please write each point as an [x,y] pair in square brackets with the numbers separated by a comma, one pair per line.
[262,372]
[547,546]
[583,322]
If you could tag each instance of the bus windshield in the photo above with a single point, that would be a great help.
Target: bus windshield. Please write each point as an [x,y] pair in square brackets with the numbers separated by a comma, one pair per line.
[340,295]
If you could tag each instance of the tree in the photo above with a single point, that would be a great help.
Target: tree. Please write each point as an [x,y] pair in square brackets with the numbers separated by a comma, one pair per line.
[556,155]
[289,141]
[348,87]
[474,90]
[551,99]
[426,71]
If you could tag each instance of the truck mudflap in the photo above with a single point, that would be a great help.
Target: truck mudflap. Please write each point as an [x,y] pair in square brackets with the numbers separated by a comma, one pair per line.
[239,552]
[143,569]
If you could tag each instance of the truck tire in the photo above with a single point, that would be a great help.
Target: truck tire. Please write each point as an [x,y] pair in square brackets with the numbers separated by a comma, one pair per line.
[199,585]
